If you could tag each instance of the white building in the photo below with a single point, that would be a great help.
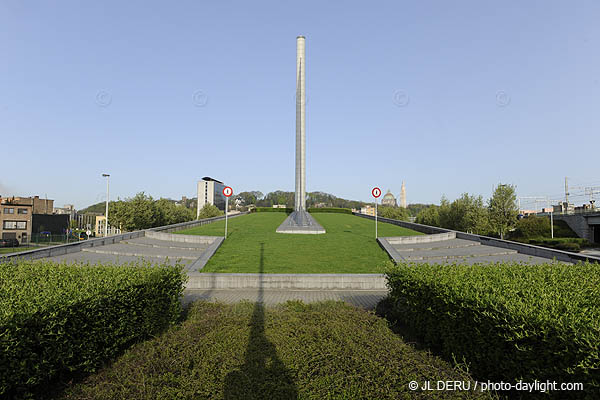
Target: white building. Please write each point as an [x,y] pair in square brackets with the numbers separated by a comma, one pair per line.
[210,191]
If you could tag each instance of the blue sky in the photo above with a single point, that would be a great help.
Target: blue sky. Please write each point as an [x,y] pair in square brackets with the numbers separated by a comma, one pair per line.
[450,97]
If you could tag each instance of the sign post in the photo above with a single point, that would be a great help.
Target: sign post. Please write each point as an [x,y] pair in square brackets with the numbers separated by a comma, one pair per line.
[376,192]
[227,191]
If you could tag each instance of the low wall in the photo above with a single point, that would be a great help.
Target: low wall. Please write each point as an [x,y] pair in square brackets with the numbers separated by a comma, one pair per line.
[286,281]
[434,237]
[522,248]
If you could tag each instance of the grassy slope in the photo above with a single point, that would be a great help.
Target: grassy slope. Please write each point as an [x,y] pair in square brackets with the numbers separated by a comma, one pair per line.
[349,245]
[318,351]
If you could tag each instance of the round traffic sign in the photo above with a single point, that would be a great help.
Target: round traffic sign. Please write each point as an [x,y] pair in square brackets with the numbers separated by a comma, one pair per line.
[227,191]
[88,232]
[376,192]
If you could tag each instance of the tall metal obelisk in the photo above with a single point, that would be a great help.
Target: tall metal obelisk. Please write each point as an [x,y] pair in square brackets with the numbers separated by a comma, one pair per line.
[300,221]
[300,197]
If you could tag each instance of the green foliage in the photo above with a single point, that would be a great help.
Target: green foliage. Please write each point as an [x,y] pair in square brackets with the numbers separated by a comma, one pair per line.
[429,216]
[330,210]
[416,208]
[531,227]
[465,214]
[60,319]
[398,213]
[271,209]
[509,321]
[503,209]
[143,212]
[249,197]
[292,351]
[95,208]
[567,244]
[209,211]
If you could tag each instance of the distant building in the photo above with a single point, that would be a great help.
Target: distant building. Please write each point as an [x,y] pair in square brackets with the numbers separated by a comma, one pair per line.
[87,220]
[17,215]
[368,210]
[210,191]
[389,200]
[68,209]
[99,228]
[15,218]
[403,196]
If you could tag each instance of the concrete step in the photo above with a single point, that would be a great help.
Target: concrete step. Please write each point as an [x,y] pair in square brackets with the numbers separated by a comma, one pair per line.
[138,254]
[450,244]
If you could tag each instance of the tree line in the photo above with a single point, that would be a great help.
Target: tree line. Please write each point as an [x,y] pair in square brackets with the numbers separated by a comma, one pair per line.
[470,213]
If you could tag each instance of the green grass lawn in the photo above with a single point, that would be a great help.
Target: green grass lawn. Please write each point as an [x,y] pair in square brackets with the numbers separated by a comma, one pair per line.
[291,351]
[349,245]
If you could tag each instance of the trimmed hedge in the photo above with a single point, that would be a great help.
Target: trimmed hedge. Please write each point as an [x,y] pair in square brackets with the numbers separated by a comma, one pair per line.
[291,351]
[567,244]
[271,209]
[509,321]
[58,320]
[330,210]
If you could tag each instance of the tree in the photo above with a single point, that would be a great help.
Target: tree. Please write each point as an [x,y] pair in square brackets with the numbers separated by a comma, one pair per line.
[503,208]
[398,213]
[466,214]
[531,227]
[429,216]
[209,211]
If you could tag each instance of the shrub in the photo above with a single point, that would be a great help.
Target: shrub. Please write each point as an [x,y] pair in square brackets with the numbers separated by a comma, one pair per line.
[531,227]
[60,319]
[509,321]
[209,211]
[330,210]
[271,209]
[291,351]
[567,244]
[429,216]
[397,213]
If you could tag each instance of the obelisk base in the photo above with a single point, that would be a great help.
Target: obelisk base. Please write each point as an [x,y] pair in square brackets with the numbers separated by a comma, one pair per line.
[300,222]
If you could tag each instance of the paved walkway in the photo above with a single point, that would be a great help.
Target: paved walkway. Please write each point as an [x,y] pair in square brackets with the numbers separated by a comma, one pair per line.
[458,251]
[152,250]
[366,299]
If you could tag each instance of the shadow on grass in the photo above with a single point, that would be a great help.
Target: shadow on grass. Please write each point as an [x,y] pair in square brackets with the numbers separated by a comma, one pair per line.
[263,375]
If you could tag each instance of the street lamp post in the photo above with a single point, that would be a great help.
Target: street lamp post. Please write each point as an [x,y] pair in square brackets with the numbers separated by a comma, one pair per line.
[106,214]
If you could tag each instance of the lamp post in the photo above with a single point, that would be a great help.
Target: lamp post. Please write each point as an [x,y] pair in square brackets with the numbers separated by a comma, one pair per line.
[106,214]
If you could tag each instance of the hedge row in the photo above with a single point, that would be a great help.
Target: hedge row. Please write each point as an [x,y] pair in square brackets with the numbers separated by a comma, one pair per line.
[330,210]
[57,320]
[271,209]
[290,351]
[509,321]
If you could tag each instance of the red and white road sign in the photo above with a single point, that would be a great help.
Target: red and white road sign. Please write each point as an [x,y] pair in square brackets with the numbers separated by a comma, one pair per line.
[376,192]
[227,191]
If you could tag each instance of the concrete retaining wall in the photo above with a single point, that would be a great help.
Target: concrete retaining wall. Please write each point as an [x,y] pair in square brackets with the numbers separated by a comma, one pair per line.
[174,237]
[435,237]
[522,248]
[287,281]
